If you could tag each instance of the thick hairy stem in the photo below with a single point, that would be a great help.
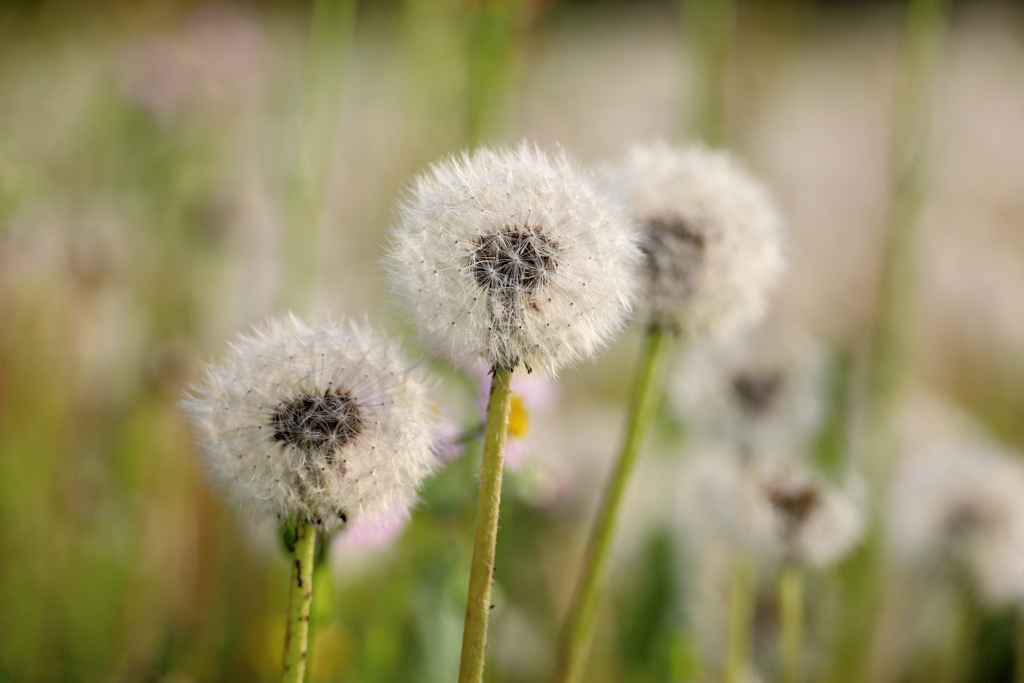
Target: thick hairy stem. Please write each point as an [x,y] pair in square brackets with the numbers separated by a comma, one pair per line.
[299,600]
[485,534]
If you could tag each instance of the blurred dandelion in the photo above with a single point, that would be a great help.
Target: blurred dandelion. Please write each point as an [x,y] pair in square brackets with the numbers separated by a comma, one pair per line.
[778,513]
[712,238]
[761,392]
[712,245]
[959,510]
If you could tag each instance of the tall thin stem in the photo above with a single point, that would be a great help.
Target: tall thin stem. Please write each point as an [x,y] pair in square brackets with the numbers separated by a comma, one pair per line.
[920,59]
[741,610]
[485,534]
[1018,651]
[791,623]
[300,598]
[493,41]
[578,632]
[710,27]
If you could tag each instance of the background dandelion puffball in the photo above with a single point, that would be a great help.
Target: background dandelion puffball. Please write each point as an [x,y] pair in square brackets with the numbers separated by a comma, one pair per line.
[762,390]
[513,256]
[711,236]
[322,423]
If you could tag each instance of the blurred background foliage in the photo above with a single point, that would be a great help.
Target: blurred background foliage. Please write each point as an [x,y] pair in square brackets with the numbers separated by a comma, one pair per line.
[173,171]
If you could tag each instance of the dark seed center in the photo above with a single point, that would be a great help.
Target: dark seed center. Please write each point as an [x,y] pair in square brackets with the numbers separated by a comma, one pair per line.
[967,519]
[795,502]
[513,260]
[674,253]
[318,424]
[757,390]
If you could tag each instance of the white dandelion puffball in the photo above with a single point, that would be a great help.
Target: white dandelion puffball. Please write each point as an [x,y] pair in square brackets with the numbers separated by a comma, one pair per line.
[779,513]
[762,391]
[322,423]
[711,236]
[513,256]
[960,506]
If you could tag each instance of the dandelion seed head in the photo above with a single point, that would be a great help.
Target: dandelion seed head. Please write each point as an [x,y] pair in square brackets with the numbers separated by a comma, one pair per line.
[512,256]
[762,390]
[325,423]
[779,512]
[712,239]
[958,508]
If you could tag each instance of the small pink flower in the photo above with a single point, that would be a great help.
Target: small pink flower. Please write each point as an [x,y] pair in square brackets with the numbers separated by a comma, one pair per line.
[449,443]
[362,535]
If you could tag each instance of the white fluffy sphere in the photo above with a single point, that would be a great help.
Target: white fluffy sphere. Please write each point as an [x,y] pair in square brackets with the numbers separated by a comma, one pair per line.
[711,236]
[513,256]
[322,423]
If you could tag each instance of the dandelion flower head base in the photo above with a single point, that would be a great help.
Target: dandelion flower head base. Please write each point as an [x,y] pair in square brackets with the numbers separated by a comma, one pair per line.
[319,424]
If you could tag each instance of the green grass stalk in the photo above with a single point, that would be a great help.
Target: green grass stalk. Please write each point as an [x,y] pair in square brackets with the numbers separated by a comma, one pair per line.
[791,623]
[710,27]
[485,534]
[300,598]
[888,370]
[492,62]
[578,632]
[330,38]
[741,612]
[1018,650]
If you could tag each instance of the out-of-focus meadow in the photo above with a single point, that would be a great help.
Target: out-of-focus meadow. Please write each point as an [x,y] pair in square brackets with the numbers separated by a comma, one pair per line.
[173,172]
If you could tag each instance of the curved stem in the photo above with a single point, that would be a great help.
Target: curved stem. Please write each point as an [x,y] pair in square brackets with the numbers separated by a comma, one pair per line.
[299,600]
[485,534]
[791,606]
[579,627]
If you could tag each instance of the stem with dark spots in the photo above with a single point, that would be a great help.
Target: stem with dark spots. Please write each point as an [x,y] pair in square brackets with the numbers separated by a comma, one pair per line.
[300,598]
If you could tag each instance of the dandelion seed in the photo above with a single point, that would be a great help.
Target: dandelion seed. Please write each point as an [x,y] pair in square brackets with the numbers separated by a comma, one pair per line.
[323,423]
[514,257]
[711,236]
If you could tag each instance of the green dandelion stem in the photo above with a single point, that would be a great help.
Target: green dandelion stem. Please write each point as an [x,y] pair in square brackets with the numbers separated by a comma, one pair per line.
[578,632]
[1018,653]
[791,608]
[300,598]
[741,612]
[485,534]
